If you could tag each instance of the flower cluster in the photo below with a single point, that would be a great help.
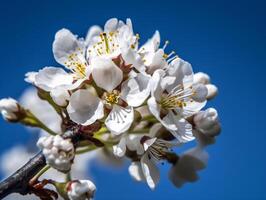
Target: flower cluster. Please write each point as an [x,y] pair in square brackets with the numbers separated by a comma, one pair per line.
[139,101]
[59,153]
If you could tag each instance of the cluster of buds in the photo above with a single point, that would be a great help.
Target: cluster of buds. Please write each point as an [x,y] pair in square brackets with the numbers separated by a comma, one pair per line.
[137,101]
[59,152]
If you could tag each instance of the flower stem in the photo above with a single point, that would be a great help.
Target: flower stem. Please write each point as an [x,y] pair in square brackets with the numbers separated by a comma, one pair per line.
[86,149]
[41,172]
[149,118]
[32,120]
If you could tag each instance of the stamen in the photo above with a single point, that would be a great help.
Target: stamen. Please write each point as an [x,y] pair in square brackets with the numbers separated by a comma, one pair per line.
[112,98]
[77,63]
[177,97]
[173,58]
[165,44]
[106,42]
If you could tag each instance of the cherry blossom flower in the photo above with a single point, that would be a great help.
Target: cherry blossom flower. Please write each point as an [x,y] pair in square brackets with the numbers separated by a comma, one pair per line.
[187,166]
[174,97]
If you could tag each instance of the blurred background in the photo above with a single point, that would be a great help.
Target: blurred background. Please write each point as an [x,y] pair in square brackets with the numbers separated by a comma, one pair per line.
[226,39]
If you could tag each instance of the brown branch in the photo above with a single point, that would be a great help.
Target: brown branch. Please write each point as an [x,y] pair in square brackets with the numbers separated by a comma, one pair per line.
[19,181]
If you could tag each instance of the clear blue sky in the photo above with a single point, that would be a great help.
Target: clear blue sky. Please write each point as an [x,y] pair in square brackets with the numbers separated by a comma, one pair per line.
[226,39]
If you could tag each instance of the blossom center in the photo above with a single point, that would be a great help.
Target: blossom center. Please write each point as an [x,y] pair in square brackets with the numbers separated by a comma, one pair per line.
[158,149]
[112,97]
[177,97]
[108,44]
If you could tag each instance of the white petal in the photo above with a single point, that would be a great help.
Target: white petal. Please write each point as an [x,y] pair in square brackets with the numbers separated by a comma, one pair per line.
[149,143]
[185,170]
[120,149]
[136,90]
[49,78]
[93,32]
[106,74]
[154,107]
[150,171]
[155,84]
[183,72]
[155,61]
[85,108]
[133,143]
[167,121]
[152,44]
[111,25]
[60,96]
[119,119]
[193,107]
[30,77]
[183,131]
[64,44]
[135,171]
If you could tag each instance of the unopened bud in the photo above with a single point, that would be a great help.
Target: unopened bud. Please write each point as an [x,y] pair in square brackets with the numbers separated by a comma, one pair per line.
[202,78]
[81,190]
[212,91]
[207,122]
[59,152]
[10,109]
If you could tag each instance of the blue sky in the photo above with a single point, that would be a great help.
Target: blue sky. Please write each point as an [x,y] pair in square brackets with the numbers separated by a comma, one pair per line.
[223,38]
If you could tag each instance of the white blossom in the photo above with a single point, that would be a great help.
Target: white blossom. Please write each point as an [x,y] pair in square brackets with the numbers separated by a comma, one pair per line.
[59,152]
[9,109]
[155,150]
[153,56]
[84,107]
[174,97]
[81,190]
[207,122]
[185,169]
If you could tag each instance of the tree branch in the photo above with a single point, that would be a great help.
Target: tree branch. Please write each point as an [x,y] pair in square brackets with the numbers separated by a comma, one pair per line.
[19,181]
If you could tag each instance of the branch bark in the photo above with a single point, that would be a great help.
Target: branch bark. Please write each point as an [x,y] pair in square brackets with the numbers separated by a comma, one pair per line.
[19,181]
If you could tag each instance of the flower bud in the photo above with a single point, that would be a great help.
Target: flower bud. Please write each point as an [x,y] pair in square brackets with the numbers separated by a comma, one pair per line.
[81,190]
[212,91]
[9,109]
[60,96]
[202,78]
[59,152]
[207,122]
[200,92]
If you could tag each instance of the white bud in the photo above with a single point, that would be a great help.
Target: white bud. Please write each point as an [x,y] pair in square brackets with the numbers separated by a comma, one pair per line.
[8,108]
[200,92]
[59,152]
[60,96]
[212,91]
[202,78]
[81,190]
[207,122]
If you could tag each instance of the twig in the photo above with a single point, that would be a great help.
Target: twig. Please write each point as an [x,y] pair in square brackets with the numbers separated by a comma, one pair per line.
[19,181]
